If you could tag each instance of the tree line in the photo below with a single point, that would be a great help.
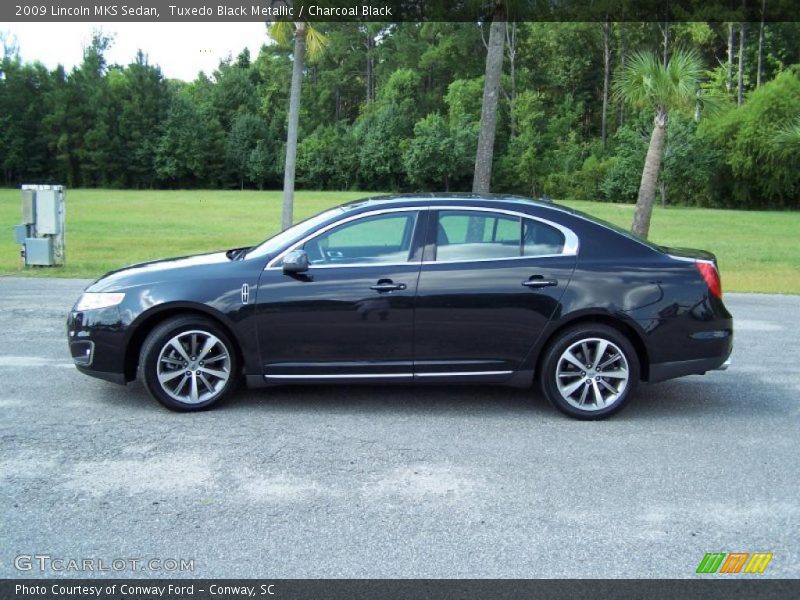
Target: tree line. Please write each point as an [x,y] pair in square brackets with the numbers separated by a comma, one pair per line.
[397,107]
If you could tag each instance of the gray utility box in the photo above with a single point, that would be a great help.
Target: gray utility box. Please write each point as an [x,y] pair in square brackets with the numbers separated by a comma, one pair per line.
[43,228]
[28,207]
[21,232]
[39,252]
[47,212]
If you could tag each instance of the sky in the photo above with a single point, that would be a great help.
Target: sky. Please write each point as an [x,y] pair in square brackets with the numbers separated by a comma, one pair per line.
[181,49]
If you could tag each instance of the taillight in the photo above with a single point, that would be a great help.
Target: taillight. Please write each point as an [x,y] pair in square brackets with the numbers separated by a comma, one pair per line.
[710,276]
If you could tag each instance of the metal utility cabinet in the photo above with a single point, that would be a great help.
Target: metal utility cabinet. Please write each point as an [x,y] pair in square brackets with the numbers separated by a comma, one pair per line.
[43,227]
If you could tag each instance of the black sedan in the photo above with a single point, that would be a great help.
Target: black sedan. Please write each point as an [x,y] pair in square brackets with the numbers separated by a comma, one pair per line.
[414,289]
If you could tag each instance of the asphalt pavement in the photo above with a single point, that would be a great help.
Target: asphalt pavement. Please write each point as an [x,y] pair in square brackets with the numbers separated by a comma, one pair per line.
[374,481]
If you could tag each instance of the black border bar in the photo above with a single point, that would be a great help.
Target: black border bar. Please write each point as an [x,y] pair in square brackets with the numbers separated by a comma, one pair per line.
[710,588]
[396,10]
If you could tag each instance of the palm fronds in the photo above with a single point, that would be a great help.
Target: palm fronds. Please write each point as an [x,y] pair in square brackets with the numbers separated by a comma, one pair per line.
[647,82]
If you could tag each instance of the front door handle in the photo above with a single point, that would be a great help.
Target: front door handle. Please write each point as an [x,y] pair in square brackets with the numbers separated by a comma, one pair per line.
[537,281]
[387,285]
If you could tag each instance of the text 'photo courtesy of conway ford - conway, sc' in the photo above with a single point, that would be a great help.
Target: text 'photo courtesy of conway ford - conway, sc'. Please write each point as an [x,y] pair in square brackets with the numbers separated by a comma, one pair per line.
[428,289]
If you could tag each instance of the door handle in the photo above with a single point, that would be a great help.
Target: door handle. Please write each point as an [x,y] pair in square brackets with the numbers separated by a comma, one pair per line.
[537,281]
[387,285]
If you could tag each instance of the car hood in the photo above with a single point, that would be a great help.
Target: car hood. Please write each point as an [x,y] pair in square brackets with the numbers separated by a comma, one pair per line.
[157,271]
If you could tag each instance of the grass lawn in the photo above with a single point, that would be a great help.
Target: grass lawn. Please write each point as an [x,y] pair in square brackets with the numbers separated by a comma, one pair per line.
[106,229]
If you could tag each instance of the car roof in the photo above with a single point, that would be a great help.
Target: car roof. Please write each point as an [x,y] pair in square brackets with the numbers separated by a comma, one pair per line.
[507,201]
[467,199]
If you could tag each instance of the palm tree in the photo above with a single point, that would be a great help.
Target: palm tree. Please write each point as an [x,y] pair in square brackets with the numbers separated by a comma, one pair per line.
[491,88]
[787,139]
[307,40]
[646,82]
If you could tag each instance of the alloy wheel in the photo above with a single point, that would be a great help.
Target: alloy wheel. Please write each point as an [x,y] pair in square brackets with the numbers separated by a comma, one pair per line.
[193,366]
[592,374]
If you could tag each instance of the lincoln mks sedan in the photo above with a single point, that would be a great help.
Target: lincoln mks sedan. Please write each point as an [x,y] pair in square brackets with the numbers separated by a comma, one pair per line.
[420,289]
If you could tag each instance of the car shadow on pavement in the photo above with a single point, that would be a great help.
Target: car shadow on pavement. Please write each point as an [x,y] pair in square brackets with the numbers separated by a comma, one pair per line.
[697,396]
[440,399]
[399,399]
[692,396]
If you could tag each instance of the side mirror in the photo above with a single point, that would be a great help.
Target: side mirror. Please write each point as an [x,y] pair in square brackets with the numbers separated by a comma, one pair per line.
[295,261]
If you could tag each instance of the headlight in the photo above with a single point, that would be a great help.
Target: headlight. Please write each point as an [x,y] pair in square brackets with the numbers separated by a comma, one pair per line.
[94,300]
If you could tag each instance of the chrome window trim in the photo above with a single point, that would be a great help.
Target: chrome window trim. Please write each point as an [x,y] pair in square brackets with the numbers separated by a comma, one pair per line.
[329,226]
[473,260]
[360,265]
[571,241]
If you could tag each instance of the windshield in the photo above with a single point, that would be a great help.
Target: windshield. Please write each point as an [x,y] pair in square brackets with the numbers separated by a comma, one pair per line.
[295,232]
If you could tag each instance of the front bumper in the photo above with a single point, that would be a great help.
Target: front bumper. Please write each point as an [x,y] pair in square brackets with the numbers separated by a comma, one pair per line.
[97,343]
[82,352]
[104,375]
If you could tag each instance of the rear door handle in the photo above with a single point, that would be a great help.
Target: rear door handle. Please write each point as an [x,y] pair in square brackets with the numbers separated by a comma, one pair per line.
[387,285]
[537,281]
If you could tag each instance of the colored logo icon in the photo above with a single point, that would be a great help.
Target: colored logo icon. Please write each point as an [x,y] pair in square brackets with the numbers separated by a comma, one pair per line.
[734,562]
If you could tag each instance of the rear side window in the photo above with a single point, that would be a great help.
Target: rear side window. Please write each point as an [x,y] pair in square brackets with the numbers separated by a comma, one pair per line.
[472,235]
[540,239]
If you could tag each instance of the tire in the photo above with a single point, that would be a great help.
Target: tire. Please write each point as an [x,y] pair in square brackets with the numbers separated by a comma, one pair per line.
[181,380]
[571,380]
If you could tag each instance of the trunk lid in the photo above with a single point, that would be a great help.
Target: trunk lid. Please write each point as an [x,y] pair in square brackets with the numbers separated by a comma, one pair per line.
[691,254]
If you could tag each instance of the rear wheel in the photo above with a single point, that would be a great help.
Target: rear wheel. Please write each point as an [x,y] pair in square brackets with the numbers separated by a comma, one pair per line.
[590,371]
[188,363]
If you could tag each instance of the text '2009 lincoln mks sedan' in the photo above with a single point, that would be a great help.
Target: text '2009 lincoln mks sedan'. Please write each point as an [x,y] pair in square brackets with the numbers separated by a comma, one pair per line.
[414,289]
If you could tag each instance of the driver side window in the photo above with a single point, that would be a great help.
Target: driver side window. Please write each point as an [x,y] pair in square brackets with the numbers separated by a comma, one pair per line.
[379,239]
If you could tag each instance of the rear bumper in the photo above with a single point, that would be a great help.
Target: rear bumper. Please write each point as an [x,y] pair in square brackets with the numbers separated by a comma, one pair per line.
[671,370]
[691,342]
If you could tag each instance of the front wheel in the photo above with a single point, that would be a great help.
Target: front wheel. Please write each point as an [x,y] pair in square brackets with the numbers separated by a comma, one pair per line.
[188,363]
[590,371]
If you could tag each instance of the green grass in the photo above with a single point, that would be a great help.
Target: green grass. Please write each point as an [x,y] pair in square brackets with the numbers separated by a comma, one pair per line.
[107,229]
[758,251]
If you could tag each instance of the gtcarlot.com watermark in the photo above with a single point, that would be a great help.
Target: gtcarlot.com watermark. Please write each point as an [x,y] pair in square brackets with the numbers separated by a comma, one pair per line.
[45,563]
